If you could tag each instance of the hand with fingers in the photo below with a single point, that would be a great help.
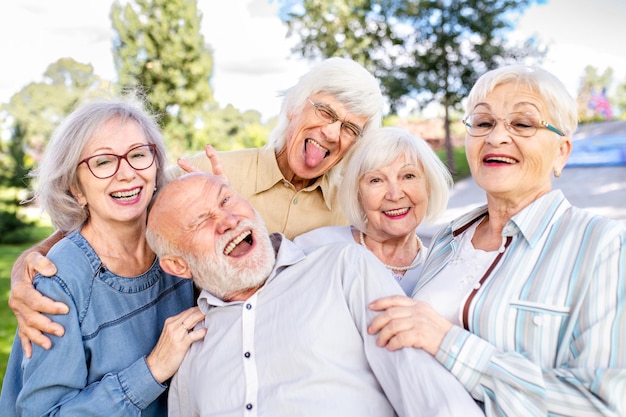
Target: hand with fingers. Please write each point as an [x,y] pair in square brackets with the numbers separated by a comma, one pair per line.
[30,306]
[177,336]
[216,163]
[405,322]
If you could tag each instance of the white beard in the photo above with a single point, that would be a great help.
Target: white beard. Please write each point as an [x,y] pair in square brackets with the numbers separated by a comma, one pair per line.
[222,275]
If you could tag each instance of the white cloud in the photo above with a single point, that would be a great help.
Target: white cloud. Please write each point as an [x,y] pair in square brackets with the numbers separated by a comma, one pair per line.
[34,34]
[252,56]
[579,34]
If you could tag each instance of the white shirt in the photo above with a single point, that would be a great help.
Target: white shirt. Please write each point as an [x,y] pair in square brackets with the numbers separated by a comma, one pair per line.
[299,347]
[332,234]
[461,275]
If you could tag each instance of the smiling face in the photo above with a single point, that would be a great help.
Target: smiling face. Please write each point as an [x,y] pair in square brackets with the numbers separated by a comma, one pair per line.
[313,146]
[123,197]
[225,242]
[508,167]
[394,198]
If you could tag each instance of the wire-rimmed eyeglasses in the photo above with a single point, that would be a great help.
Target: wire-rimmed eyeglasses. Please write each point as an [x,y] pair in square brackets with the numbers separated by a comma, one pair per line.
[348,130]
[520,124]
[105,165]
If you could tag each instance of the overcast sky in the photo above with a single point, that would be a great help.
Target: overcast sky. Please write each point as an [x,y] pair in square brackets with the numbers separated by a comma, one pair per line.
[251,55]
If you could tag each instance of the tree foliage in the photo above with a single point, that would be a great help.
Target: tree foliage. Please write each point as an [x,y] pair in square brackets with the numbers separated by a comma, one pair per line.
[30,117]
[33,113]
[620,99]
[159,49]
[421,51]
[228,129]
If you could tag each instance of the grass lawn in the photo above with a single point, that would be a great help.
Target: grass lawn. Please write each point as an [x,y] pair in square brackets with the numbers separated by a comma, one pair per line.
[8,254]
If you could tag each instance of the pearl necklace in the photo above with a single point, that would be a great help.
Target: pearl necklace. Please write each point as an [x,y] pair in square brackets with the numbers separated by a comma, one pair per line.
[397,268]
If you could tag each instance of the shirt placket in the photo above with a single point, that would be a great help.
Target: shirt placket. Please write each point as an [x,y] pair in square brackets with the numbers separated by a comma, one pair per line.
[248,317]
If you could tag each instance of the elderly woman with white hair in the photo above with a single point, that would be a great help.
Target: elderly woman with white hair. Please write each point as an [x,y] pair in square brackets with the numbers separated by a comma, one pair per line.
[392,182]
[523,299]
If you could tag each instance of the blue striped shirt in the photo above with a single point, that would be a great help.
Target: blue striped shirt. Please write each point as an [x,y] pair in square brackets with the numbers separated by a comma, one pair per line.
[545,334]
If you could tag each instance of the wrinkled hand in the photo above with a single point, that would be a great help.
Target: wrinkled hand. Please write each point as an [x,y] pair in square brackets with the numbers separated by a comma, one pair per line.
[29,305]
[216,163]
[176,338]
[406,322]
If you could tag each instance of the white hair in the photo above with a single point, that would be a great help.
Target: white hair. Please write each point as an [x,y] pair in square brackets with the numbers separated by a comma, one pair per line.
[379,148]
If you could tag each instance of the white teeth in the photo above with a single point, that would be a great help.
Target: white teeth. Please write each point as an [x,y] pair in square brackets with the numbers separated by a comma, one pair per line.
[126,194]
[396,212]
[317,145]
[233,243]
[502,159]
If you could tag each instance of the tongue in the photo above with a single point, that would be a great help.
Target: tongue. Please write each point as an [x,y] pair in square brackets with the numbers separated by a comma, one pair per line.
[314,155]
[241,249]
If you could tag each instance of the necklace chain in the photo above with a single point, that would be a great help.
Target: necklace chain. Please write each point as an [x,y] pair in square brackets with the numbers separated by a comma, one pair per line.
[397,268]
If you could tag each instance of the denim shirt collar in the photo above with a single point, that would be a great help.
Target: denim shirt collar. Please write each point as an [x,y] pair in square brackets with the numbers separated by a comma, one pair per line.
[102,273]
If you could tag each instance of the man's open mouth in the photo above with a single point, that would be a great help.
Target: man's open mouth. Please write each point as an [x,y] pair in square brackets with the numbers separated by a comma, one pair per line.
[315,153]
[240,245]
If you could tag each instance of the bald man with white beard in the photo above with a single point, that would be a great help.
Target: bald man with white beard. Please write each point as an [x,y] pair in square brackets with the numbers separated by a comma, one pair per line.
[286,331]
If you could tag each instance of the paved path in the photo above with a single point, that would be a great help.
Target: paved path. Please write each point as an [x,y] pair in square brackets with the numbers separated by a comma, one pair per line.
[601,190]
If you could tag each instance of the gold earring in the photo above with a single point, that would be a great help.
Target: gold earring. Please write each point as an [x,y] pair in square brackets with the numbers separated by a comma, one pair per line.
[557,172]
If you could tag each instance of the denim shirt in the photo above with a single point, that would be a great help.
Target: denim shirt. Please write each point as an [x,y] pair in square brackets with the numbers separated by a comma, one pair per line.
[99,366]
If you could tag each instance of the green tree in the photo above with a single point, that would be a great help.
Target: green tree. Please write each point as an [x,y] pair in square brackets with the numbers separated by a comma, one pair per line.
[620,100]
[421,51]
[228,129]
[159,48]
[30,118]
[34,112]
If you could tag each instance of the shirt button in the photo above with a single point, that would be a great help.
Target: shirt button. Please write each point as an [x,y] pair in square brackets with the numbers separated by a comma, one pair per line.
[247,354]
[295,201]
[454,349]
[248,406]
[249,306]
[537,320]
[286,183]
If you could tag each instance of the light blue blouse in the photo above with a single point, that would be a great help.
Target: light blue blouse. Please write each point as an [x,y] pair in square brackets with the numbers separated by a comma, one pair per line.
[545,332]
[299,347]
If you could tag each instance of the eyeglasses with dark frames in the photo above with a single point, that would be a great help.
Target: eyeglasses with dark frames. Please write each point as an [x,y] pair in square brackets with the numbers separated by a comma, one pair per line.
[519,124]
[325,113]
[105,165]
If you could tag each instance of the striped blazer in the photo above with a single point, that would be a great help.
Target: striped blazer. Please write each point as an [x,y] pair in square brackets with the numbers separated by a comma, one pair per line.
[545,333]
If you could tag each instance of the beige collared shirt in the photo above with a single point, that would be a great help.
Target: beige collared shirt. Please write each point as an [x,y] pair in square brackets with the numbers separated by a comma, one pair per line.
[254,173]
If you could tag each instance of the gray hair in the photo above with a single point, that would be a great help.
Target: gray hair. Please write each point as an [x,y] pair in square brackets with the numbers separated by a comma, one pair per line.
[344,79]
[561,106]
[379,148]
[57,171]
